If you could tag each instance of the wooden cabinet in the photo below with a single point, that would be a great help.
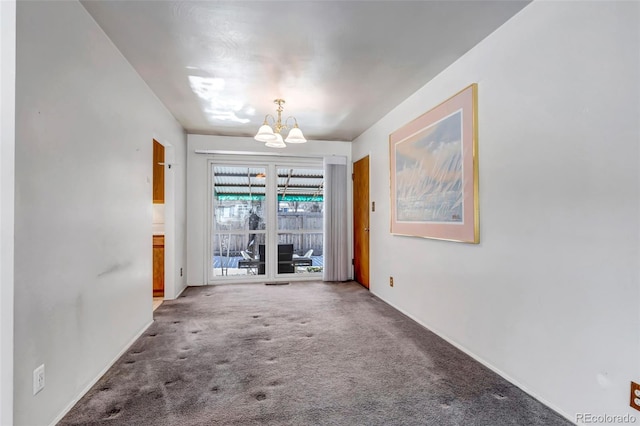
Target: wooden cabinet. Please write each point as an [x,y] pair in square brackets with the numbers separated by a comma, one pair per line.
[158,173]
[158,265]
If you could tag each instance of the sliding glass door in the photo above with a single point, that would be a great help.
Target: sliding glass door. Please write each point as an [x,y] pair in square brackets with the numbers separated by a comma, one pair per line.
[266,219]
[300,210]
[239,220]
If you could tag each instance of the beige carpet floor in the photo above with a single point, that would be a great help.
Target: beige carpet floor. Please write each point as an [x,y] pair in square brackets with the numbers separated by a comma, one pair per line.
[301,354]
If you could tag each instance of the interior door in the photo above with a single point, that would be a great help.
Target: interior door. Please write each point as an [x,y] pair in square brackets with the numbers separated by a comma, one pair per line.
[361,220]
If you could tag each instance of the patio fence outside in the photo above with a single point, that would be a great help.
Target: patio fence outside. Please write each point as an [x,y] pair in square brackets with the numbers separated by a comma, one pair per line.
[233,243]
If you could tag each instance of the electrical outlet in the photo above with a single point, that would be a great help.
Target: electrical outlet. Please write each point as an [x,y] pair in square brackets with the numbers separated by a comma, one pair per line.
[391,281]
[635,396]
[38,379]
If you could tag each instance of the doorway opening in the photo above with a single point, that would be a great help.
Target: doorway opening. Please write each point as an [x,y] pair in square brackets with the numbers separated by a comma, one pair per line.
[158,223]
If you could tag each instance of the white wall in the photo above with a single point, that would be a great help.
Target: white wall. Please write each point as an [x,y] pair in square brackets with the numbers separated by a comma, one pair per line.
[83,259]
[551,295]
[7,181]
[174,217]
[197,175]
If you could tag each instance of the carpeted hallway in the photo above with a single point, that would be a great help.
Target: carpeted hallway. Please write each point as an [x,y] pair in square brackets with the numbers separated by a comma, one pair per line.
[299,354]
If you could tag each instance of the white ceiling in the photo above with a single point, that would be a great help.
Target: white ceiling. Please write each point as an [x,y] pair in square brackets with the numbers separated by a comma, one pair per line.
[340,65]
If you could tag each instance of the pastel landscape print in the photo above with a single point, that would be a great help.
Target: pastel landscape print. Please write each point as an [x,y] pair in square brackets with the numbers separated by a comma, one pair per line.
[429,174]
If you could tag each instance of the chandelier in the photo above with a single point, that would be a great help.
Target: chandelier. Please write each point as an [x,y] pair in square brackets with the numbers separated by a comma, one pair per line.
[272,136]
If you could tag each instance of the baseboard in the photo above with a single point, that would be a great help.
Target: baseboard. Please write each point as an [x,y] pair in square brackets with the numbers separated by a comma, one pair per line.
[102,373]
[179,294]
[480,360]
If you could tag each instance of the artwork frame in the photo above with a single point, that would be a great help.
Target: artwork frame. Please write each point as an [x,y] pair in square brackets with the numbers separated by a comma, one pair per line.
[434,172]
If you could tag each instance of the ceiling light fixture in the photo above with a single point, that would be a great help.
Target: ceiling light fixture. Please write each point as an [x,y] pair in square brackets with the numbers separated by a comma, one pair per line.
[272,136]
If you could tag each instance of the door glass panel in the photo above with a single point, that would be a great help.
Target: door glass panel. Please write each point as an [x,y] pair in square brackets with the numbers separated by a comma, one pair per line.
[306,252]
[239,198]
[300,220]
[239,220]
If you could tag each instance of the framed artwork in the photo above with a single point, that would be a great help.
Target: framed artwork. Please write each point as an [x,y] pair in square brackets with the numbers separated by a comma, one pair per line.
[434,172]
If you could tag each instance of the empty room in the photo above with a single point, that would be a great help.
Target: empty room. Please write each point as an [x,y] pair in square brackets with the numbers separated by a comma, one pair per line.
[319,212]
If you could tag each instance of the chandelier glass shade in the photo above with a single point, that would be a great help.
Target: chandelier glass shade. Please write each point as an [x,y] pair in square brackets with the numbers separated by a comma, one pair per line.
[272,135]
[277,142]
